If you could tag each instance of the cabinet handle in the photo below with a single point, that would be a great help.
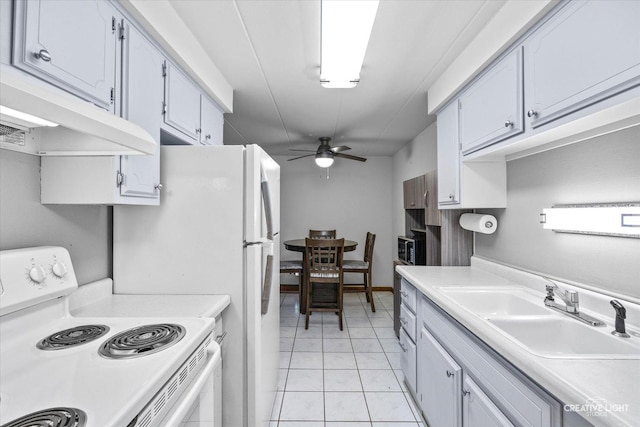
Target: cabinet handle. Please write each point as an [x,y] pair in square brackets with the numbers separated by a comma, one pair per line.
[508,124]
[198,130]
[158,187]
[207,137]
[413,203]
[449,373]
[43,54]
[426,199]
[532,113]
[465,392]
[451,196]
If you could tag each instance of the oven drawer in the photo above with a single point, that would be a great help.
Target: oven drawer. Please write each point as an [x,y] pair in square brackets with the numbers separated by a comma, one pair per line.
[408,294]
[408,322]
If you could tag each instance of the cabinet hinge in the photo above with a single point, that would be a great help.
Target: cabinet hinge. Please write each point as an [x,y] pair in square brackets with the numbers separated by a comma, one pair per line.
[113,95]
[164,108]
[119,179]
[164,69]
[113,24]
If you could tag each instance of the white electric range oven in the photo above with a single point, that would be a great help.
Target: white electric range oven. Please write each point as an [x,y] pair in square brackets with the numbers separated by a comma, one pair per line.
[106,371]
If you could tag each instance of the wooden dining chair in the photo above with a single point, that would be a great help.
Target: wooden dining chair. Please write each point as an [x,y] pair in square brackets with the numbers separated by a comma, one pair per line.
[322,234]
[324,277]
[293,267]
[363,267]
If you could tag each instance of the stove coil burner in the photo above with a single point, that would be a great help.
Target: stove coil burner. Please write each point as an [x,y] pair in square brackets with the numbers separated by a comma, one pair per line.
[52,417]
[72,337]
[141,341]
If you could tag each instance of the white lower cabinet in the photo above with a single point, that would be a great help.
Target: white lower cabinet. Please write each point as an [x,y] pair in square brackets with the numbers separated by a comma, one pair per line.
[477,409]
[408,360]
[439,382]
[462,382]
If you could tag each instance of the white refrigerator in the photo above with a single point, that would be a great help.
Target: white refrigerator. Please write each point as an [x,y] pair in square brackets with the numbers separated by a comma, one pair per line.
[216,231]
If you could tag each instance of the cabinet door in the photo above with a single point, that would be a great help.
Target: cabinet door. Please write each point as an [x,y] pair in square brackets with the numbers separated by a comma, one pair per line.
[478,410]
[448,156]
[408,360]
[212,121]
[71,44]
[439,383]
[409,194]
[142,97]
[588,51]
[182,102]
[431,212]
[491,108]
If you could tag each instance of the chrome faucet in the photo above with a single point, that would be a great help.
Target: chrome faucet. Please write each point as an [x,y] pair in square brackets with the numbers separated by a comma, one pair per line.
[571,305]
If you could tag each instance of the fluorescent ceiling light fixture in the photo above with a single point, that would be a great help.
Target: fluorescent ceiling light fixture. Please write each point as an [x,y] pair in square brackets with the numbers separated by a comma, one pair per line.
[324,160]
[619,219]
[346,27]
[24,119]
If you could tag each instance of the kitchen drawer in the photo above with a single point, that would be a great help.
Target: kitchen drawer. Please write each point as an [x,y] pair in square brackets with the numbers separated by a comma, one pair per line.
[408,322]
[408,360]
[521,400]
[409,295]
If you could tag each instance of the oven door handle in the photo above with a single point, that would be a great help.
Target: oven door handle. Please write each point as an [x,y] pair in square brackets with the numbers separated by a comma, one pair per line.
[181,409]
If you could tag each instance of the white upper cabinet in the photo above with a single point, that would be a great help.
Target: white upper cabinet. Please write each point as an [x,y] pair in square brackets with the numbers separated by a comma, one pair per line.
[142,98]
[71,44]
[212,122]
[491,109]
[182,104]
[448,156]
[588,51]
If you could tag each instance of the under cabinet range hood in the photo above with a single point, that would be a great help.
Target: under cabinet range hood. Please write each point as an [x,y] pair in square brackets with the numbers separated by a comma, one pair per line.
[83,129]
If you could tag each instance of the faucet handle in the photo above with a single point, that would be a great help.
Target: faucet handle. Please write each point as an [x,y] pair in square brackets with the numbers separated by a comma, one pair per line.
[572,296]
[621,314]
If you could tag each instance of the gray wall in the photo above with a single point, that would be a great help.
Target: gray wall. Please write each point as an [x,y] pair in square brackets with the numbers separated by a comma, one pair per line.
[355,199]
[84,230]
[602,170]
[416,158]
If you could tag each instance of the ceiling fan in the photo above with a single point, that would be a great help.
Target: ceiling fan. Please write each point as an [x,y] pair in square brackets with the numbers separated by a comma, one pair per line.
[325,154]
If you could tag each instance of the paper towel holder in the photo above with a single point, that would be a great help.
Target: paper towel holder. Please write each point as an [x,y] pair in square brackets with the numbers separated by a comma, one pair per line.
[479,223]
[606,219]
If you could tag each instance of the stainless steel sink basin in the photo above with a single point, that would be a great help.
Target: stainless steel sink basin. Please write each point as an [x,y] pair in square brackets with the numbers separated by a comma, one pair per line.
[487,302]
[557,337]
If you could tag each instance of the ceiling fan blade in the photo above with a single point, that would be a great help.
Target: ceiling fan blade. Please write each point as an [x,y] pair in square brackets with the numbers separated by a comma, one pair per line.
[301,157]
[349,156]
[298,149]
[340,148]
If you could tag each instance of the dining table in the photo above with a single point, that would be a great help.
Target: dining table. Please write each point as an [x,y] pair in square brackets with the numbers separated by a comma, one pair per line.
[298,245]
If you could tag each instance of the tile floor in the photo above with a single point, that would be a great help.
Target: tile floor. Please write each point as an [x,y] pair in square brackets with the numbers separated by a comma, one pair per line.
[349,378]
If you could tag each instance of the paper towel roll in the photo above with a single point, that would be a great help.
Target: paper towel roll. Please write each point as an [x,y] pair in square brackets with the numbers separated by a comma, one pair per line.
[479,223]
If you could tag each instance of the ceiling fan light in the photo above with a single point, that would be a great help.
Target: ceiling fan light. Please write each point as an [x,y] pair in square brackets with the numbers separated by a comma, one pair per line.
[324,160]
[346,27]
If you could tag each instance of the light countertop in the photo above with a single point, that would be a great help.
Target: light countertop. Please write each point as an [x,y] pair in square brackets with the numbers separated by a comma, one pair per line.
[571,381]
[96,300]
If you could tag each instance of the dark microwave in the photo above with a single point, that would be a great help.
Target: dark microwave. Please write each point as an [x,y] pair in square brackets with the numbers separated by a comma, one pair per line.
[411,250]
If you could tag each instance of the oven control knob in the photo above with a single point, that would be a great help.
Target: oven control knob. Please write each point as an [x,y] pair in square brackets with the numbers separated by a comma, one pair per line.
[37,274]
[59,269]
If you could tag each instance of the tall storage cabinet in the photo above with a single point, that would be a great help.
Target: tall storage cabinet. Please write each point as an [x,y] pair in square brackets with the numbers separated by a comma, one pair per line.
[70,44]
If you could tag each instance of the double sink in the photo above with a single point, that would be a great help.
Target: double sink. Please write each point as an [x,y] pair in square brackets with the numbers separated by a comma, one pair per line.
[520,315]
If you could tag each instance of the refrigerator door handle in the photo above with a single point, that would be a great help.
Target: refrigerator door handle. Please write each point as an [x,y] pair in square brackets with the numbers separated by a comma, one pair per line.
[266,199]
[266,289]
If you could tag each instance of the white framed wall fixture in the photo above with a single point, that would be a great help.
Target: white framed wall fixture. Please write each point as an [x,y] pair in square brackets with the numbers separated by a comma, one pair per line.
[610,219]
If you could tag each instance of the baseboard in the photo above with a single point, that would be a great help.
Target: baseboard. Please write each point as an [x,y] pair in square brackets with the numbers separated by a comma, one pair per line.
[293,289]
